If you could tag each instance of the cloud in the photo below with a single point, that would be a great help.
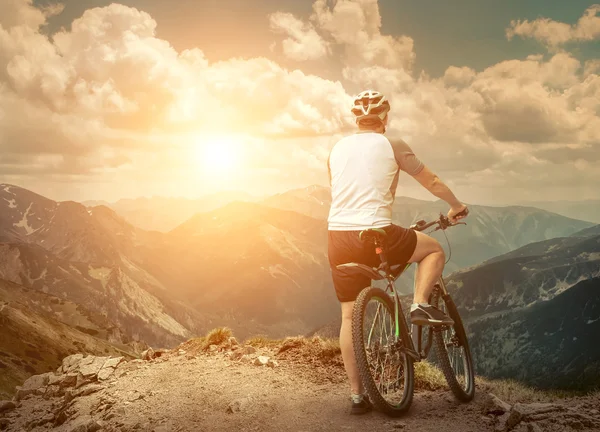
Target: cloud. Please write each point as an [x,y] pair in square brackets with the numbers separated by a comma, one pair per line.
[355,25]
[553,33]
[107,100]
[303,42]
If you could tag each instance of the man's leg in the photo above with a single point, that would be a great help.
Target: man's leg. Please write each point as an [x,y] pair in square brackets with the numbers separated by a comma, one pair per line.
[347,349]
[430,258]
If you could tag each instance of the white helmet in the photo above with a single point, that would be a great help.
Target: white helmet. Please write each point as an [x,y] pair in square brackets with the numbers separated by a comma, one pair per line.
[370,104]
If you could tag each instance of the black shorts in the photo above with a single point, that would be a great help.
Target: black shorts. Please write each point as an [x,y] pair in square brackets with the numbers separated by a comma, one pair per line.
[345,247]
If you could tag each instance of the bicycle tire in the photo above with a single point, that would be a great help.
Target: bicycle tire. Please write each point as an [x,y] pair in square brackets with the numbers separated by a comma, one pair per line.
[362,360]
[466,393]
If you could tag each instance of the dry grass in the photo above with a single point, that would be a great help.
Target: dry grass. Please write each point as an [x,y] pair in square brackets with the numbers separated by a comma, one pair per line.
[429,377]
[217,336]
[314,349]
[512,391]
[262,341]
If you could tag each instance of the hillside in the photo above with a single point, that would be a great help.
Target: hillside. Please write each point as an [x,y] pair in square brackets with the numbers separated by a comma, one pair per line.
[260,269]
[39,330]
[303,388]
[534,313]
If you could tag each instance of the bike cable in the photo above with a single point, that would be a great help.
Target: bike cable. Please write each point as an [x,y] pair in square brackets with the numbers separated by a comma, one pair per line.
[447,241]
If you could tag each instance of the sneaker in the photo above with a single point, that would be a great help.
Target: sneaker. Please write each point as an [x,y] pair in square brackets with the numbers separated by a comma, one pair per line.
[362,407]
[429,315]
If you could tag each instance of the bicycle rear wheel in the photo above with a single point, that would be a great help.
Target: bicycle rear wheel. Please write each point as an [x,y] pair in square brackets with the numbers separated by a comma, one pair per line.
[386,371]
[452,350]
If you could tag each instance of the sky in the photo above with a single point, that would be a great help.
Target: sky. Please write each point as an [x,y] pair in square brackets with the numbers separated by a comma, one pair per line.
[102,100]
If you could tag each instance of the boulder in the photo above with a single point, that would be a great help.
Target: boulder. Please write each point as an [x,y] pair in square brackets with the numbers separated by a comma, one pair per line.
[494,405]
[70,363]
[35,384]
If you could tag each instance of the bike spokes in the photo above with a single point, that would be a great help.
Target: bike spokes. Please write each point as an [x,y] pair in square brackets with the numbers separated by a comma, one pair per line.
[385,358]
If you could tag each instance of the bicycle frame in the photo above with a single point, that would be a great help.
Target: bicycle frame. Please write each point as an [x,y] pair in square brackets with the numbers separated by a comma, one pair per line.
[420,352]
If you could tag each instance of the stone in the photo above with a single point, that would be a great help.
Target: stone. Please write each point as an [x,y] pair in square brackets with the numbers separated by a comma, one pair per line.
[238,405]
[35,384]
[6,405]
[248,349]
[181,352]
[105,373]
[213,348]
[261,361]
[233,341]
[113,362]
[149,354]
[235,355]
[93,367]
[272,363]
[89,389]
[82,380]
[493,405]
[526,410]
[52,391]
[533,427]
[71,363]
[69,380]
[85,424]
[502,423]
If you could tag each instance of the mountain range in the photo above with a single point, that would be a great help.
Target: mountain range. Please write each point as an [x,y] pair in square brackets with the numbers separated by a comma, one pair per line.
[166,213]
[257,267]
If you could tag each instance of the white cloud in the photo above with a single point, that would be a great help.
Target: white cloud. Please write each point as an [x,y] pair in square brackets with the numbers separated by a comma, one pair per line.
[356,26]
[553,33]
[108,97]
[303,42]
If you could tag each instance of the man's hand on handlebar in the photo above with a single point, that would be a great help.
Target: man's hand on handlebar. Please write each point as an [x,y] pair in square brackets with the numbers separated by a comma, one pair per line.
[458,213]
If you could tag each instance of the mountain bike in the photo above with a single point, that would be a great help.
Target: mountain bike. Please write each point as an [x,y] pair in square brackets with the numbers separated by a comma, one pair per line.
[386,350]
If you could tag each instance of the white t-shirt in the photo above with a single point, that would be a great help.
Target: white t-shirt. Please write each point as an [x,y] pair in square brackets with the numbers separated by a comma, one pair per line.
[363,170]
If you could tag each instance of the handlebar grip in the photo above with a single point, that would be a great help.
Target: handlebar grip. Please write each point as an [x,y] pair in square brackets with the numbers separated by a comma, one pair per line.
[465,212]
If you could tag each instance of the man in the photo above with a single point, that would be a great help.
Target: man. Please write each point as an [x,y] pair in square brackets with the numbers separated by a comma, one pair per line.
[363,171]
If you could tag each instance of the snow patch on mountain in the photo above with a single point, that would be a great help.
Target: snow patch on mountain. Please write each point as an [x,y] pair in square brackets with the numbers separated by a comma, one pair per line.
[11,203]
[24,222]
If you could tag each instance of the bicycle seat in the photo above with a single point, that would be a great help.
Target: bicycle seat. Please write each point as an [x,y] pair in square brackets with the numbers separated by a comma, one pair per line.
[372,234]
[371,272]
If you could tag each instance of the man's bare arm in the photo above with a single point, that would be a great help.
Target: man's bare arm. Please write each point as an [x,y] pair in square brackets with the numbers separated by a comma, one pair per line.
[437,187]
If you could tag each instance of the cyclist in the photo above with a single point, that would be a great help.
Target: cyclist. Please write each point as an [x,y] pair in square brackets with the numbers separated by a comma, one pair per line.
[363,173]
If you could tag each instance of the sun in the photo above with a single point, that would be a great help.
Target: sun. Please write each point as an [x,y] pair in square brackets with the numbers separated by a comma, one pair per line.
[218,153]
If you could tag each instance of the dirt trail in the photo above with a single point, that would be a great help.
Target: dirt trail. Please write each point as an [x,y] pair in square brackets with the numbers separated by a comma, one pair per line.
[180,391]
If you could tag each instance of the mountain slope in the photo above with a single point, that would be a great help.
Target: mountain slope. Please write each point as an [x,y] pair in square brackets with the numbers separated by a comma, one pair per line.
[39,330]
[533,313]
[552,344]
[263,270]
[109,290]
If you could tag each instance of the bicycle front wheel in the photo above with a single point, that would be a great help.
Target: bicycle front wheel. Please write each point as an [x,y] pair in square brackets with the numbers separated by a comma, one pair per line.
[386,370]
[452,350]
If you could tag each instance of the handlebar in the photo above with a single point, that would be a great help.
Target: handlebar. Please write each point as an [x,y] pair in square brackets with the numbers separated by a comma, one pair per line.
[442,223]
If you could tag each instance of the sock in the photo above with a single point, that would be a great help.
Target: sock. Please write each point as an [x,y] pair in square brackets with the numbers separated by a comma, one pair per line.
[356,398]
[414,306]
